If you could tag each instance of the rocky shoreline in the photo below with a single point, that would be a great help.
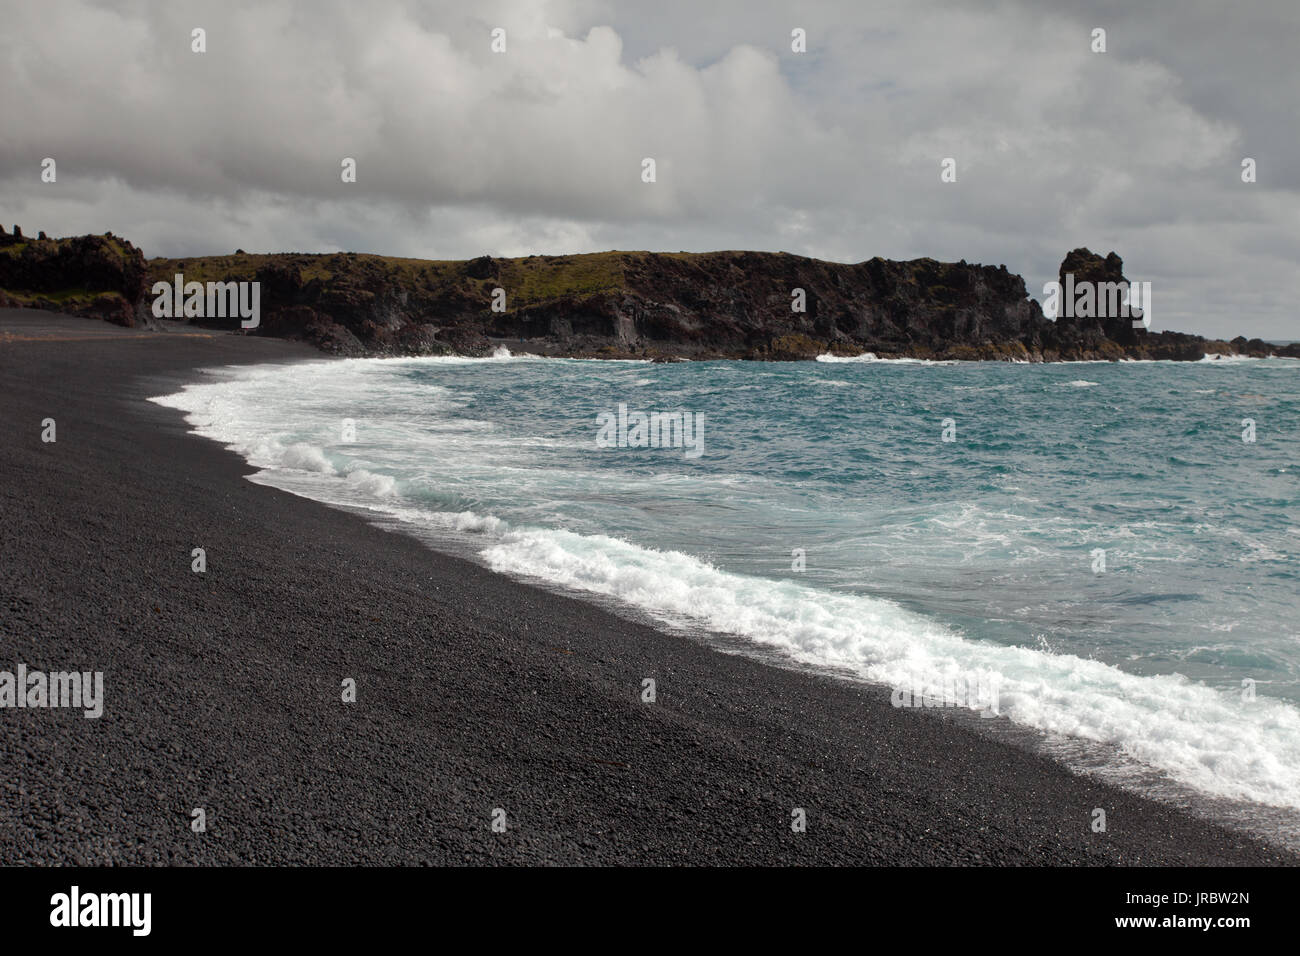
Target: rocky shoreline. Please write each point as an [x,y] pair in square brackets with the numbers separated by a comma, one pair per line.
[660,306]
[474,691]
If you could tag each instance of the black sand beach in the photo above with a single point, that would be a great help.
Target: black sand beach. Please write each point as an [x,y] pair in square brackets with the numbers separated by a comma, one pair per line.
[222,690]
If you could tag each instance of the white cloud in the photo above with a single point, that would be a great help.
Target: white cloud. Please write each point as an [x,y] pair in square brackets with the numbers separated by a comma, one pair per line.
[834,153]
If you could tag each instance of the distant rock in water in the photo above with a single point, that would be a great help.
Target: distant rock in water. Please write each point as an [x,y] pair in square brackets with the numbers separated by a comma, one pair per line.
[747,305]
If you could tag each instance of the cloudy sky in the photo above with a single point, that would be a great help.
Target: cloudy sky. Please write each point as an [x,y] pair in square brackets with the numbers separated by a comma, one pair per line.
[834,152]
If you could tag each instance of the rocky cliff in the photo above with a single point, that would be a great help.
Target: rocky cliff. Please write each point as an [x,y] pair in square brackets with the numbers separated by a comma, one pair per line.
[749,305]
[99,276]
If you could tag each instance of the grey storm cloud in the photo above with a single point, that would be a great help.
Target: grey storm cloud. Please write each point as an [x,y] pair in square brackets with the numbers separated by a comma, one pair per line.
[834,152]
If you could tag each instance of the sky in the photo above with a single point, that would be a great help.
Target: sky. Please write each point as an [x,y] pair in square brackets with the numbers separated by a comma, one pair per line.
[834,152]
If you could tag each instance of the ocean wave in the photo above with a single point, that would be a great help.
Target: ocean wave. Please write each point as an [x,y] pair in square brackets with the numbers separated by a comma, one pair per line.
[1199,736]
[868,357]
[442,452]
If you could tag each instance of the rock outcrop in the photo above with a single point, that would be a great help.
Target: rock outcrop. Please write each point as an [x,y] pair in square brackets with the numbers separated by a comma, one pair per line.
[1109,331]
[750,305]
[96,276]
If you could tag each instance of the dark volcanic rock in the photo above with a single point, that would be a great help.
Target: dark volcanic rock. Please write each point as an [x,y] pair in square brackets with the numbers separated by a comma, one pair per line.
[753,305]
[742,302]
[1256,348]
[1089,268]
[1115,336]
[742,305]
[99,276]
[706,305]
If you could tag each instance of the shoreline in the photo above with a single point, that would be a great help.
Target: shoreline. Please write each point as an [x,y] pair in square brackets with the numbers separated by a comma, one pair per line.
[475,691]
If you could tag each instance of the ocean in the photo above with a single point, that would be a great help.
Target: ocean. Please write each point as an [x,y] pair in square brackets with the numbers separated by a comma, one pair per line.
[1112,547]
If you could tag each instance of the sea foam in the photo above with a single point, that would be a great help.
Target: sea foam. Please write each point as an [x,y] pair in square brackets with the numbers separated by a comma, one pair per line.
[439,450]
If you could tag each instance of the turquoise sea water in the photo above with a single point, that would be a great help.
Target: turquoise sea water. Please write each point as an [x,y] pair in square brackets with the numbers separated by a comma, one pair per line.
[1097,537]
